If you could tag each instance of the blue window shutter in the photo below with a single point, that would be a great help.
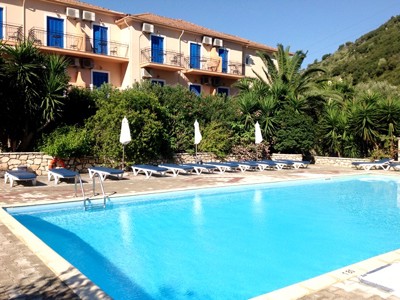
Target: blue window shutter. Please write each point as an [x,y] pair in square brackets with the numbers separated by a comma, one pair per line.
[1,23]
[55,32]
[195,89]
[157,49]
[99,78]
[223,91]
[100,40]
[194,56]
[223,53]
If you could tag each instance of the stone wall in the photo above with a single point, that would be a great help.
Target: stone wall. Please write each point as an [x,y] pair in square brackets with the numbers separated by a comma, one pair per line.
[38,162]
[337,161]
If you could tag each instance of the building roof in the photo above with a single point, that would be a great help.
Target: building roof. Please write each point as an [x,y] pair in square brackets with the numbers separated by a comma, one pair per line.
[80,4]
[190,27]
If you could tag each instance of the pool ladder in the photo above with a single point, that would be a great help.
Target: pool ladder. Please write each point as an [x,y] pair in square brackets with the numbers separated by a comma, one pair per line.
[89,204]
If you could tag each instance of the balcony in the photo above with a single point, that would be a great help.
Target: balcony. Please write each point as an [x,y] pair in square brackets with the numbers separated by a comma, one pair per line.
[75,44]
[162,60]
[12,33]
[174,61]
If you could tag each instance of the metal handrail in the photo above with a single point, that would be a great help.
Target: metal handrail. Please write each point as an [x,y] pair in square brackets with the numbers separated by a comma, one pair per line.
[105,197]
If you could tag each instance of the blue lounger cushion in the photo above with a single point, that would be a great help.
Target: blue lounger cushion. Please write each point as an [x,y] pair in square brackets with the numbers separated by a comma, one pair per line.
[59,173]
[103,172]
[175,168]
[19,175]
[148,170]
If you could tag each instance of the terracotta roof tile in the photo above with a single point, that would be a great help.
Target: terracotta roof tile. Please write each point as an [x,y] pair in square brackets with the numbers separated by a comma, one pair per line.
[188,26]
[87,5]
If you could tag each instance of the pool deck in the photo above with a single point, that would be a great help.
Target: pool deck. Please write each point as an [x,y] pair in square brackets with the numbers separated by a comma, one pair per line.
[29,270]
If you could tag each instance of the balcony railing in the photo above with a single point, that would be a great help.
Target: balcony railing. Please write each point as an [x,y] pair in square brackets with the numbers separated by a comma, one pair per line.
[76,42]
[12,32]
[173,58]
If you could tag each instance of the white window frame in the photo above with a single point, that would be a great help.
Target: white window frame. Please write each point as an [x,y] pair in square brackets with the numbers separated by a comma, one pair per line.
[98,71]
[56,16]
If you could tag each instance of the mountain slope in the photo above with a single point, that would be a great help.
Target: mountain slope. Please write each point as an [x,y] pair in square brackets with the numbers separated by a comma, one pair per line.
[374,56]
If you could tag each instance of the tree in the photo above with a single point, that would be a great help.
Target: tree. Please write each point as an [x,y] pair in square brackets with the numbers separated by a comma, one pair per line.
[32,94]
[281,85]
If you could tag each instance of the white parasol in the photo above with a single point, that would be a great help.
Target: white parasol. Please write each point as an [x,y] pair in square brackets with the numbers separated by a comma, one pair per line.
[125,137]
[197,134]
[258,137]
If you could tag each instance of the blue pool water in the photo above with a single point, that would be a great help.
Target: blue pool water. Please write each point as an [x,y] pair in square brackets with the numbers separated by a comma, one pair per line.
[229,243]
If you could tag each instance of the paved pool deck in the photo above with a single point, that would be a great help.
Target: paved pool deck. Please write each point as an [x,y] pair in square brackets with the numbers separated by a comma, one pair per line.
[30,270]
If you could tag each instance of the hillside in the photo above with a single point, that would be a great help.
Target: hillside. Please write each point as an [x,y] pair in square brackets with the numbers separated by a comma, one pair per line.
[374,56]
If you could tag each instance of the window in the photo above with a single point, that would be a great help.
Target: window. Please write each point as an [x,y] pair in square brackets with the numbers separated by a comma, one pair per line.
[1,23]
[157,49]
[194,56]
[158,81]
[223,91]
[55,32]
[248,60]
[100,39]
[223,53]
[98,78]
[195,88]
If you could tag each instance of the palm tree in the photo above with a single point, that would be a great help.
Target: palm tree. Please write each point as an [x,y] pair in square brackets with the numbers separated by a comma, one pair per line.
[281,84]
[32,87]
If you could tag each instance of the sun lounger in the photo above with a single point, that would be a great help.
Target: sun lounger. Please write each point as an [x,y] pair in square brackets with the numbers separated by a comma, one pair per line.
[175,168]
[19,175]
[148,170]
[297,164]
[279,165]
[62,173]
[249,166]
[264,165]
[224,166]
[199,168]
[378,164]
[103,172]
[395,166]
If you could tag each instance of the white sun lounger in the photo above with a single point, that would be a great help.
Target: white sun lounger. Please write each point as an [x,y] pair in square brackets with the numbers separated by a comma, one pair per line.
[19,175]
[175,168]
[225,166]
[103,172]
[148,170]
[62,173]
[199,168]
[379,164]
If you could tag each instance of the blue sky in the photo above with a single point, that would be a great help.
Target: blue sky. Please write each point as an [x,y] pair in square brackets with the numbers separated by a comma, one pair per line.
[316,26]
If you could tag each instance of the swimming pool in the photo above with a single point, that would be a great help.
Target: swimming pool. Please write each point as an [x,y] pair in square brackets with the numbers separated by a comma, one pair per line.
[230,243]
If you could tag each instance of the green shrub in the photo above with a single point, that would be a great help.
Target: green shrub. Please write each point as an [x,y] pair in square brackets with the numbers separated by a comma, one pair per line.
[67,141]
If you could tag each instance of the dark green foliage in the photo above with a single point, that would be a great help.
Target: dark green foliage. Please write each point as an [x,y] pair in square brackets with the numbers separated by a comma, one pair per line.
[66,142]
[32,93]
[374,56]
[147,119]
[295,133]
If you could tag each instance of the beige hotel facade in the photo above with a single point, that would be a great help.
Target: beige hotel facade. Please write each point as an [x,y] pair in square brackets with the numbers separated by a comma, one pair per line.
[121,49]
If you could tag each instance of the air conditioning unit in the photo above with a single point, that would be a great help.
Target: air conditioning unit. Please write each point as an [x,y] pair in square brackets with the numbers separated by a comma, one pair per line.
[144,73]
[218,43]
[88,16]
[207,40]
[149,28]
[87,63]
[75,62]
[72,13]
[205,80]
[216,81]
